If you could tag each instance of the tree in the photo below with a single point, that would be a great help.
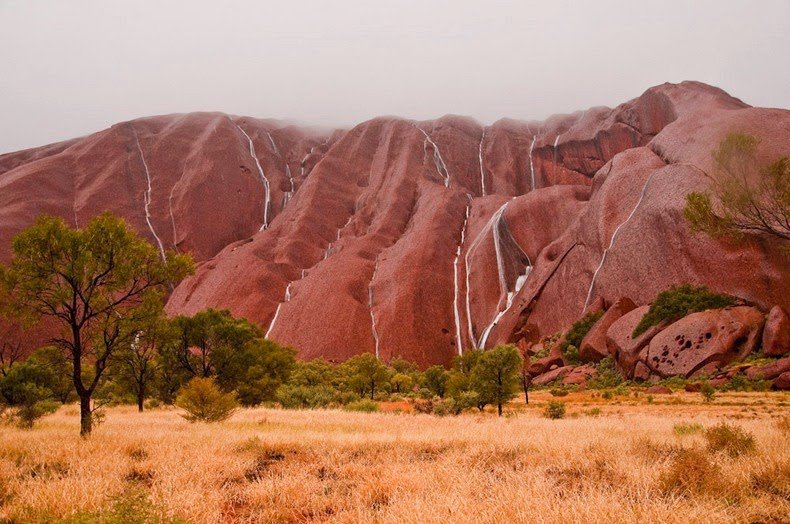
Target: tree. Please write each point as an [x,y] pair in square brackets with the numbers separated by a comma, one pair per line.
[365,373]
[401,382]
[94,282]
[525,375]
[60,382]
[746,198]
[435,380]
[495,377]
[204,401]
[26,386]
[138,363]
[459,382]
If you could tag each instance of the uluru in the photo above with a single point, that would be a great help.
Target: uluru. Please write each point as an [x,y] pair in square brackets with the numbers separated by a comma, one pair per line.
[416,239]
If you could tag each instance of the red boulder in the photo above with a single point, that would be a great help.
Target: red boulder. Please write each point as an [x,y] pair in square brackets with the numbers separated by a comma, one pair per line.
[593,347]
[776,334]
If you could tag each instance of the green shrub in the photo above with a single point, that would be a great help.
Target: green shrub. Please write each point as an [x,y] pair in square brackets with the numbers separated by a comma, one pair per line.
[732,440]
[364,405]
[575,335]
[708,392]
[677,302]
[606,375]
[687,428]
[607,395]
[554,410]
[205,402]
[305,397]
[559,392]
[462,401]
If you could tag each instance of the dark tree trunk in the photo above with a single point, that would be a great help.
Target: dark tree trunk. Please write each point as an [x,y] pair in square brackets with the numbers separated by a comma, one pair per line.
[140,398]
[499,408]
[86,421]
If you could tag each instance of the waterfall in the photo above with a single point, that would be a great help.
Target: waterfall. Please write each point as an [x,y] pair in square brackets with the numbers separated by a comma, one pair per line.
[172,216]
[614,235]
[147,197]
[480,158]
[264,180]
[457,314]
[531,165]
[441,167]
[370,307]
[286,299]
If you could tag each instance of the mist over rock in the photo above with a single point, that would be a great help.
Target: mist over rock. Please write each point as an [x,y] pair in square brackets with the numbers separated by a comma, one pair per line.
[419,239]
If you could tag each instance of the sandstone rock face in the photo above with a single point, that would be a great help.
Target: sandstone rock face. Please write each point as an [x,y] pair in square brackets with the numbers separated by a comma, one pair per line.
[621,344]
[699,339]
[551,376]
[579,376]
[416,239]
[593,347]
[769,371]
[658,390]
[776,334]
[782,382]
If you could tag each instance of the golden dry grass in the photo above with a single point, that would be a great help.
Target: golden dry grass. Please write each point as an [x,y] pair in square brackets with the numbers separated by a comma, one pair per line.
[626,464]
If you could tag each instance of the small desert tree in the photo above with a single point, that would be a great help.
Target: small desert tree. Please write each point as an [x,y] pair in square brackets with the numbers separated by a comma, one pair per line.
[746,198]
[435,380]
[365,374]
[204,401]
[495,377]
[94,282]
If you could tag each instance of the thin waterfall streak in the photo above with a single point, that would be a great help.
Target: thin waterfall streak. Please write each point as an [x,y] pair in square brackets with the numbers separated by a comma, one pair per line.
[274,146]
[264,180]
[373,329]
[614,236]
[456,293]
[480,158]
[438,161]
[531,164]
[286,299]
[147,197]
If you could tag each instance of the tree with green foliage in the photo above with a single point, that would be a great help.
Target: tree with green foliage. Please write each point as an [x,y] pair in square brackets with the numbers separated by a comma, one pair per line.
[26,386]
[365,374]
[435,380]
[495,376]
[138,363]
[677,302]
[747,198]
[61,370]
[95,282]
[401,383]
[204,401]
[459,382]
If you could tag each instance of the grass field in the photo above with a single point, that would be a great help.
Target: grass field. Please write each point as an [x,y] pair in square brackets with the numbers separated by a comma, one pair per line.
[619,460]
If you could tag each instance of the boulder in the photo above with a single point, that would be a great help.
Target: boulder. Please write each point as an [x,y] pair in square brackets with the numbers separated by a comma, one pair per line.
[551,376]
[641,372]
[769,371]
[622,345]
[658,390]
[776,334]
[579,376]
[593,347]
[782,382]
[693,387]
[698,339]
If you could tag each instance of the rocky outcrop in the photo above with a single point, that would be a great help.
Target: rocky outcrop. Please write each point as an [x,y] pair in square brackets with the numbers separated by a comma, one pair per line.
[579,376]
[552,376]
[624,347]
[418,239]
[707,339]
[782,382]
[769,371]
[776,334]
[593,347]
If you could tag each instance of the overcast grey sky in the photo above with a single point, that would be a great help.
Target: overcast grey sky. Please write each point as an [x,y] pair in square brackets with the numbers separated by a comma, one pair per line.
[73,67]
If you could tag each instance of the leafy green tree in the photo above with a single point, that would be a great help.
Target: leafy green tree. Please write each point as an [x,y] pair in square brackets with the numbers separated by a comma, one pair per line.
[257,370]
[401,382]
[26,386]
[60,381]
[746,198]
[365,374]
[459,382]
[138,363]
[435,380]
[312,373]
[204,401]
[94,283]
[496,376]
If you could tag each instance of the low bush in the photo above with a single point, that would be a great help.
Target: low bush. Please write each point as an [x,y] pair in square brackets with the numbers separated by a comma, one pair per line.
[732,440]
[203,401]
[606,375]
[708,392]
[691,472]
[687,428]
[364,405]
[554,410]
[677,302]
[559,392]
